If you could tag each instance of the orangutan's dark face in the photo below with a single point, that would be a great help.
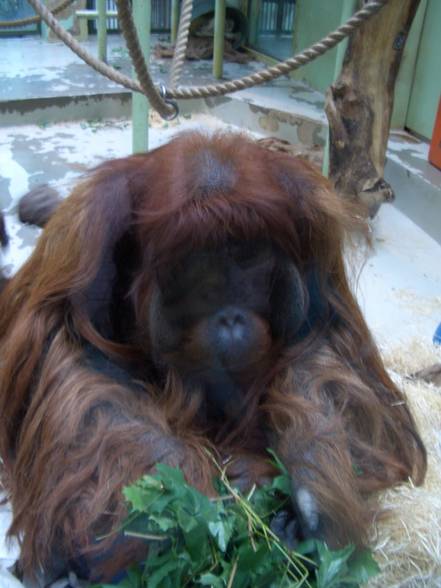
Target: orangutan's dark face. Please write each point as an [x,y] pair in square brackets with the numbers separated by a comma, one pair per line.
[221,307]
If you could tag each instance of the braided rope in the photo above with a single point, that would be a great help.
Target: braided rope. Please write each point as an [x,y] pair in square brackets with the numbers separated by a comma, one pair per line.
[181,43]
[284,67]
[132,40]
[99,66]
[21,22]
[185,92]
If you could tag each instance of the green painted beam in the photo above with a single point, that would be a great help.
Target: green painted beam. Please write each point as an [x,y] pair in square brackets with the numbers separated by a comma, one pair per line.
[426,84]
[93,14]
[102,30]
[46,33]
[174,20]
[313,20]
[347,10]
[219,32]
[406,74]
[140,105]
[44,28]
[253,21]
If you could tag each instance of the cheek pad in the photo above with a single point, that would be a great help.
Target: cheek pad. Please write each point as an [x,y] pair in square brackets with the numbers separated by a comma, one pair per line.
[164,336]
[297,303]
[288,302]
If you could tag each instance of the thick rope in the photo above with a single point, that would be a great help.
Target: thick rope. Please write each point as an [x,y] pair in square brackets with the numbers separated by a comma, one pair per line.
[72,43]
[21,22]
[184,92]
[284,67]
[181,42]
[132,41]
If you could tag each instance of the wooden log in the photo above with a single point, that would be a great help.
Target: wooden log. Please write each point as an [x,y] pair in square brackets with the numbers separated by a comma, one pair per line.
[359,105]
[431,374]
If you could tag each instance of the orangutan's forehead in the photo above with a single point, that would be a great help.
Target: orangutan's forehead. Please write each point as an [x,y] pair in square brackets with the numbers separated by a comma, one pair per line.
[213,172]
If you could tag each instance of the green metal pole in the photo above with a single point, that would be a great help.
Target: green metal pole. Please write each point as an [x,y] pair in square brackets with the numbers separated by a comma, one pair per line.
[406,73]
[348,9]
[44,28]
[254,21]
[140,105]
[174,20]
[219,32]
[102,30]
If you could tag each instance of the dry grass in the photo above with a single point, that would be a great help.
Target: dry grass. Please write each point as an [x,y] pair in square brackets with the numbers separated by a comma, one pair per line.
[407,540]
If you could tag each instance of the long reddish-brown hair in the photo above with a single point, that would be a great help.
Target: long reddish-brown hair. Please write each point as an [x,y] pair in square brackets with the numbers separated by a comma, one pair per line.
[331,386]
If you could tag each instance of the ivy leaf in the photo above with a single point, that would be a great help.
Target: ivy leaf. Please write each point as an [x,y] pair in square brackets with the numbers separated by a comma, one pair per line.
[211,580]
[163,522]
[226,542]
[307,547]
[221,532]
[283,484]
[333,565]
[249,558]
[197,545]
[155,579]
[362,566]
[142,493]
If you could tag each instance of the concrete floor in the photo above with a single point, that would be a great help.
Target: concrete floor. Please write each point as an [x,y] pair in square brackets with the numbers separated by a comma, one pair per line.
[31,67]
[398,282]
[278,46]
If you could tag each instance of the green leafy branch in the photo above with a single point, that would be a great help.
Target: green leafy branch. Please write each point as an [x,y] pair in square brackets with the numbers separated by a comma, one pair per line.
[227,542]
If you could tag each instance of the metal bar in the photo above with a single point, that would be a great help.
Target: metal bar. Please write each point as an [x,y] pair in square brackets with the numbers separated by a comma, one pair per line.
[102,30]
[174,20]
[140,107]
[279,16]
[254,21]
[406,73]
[44,28]
[93,14]
[219,32]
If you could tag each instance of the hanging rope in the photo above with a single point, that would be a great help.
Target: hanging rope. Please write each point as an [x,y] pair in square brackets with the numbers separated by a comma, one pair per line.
[185,92]
[181,42]
[132,40]
[22,22]
[72,43]
[286,66]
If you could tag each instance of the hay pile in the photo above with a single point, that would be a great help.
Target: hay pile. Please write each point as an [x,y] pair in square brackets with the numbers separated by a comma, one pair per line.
[407,543]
